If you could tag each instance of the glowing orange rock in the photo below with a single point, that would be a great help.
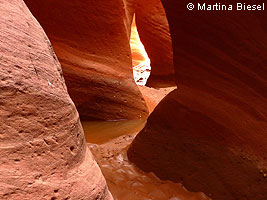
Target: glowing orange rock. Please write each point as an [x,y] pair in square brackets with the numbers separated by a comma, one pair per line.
[141,61]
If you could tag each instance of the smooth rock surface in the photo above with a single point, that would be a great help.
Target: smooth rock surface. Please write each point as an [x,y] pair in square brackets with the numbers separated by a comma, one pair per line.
[91,41]
[42,146]
[153,28]
[210,134]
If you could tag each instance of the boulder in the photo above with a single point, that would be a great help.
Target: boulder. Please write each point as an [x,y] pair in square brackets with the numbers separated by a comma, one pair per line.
[42,146]
[210,134]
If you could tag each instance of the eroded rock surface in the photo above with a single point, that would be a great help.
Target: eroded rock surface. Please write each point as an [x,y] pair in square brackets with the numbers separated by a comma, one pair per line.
[42,146]
[91,41]
[210,134]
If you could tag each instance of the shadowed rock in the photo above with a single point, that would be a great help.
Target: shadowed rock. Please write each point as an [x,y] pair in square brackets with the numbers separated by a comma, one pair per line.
[91,40]
[154,32]
[210,134]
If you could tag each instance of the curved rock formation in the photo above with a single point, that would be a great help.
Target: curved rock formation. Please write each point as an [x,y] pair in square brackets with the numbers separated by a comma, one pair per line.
[210,134]
[154,32]
[91,41]
[42,146]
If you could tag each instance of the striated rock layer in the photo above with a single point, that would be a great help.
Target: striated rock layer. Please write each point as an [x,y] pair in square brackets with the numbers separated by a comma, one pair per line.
[153,28]
[91,40]
[210,134]
[42,146]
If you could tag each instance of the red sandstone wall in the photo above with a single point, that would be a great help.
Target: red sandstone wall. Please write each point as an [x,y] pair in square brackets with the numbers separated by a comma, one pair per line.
[154,32]
[43,153]
[210,134]
[91,41]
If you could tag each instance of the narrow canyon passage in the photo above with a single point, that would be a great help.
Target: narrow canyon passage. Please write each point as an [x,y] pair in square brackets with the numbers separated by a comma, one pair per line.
[109,142]
[131,100]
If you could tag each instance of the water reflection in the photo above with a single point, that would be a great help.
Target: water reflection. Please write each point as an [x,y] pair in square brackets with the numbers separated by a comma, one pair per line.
[99,132]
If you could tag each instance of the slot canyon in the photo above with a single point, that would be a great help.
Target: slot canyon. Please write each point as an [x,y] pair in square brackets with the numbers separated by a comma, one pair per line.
[132,100]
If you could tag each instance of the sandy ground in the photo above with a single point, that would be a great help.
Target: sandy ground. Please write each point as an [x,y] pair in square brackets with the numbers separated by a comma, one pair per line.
[125,181]
[153,96]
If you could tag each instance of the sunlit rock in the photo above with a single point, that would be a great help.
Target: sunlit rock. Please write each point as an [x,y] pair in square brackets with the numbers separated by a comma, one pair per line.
[140,59]
[43,154]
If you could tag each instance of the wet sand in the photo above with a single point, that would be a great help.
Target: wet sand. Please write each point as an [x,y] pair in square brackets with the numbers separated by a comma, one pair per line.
[108,142]
[99,132]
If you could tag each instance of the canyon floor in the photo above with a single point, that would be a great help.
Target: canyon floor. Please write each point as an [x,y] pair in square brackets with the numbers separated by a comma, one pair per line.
[109,142]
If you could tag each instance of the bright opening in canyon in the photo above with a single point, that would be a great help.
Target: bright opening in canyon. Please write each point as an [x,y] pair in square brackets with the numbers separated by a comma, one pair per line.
[140,59]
